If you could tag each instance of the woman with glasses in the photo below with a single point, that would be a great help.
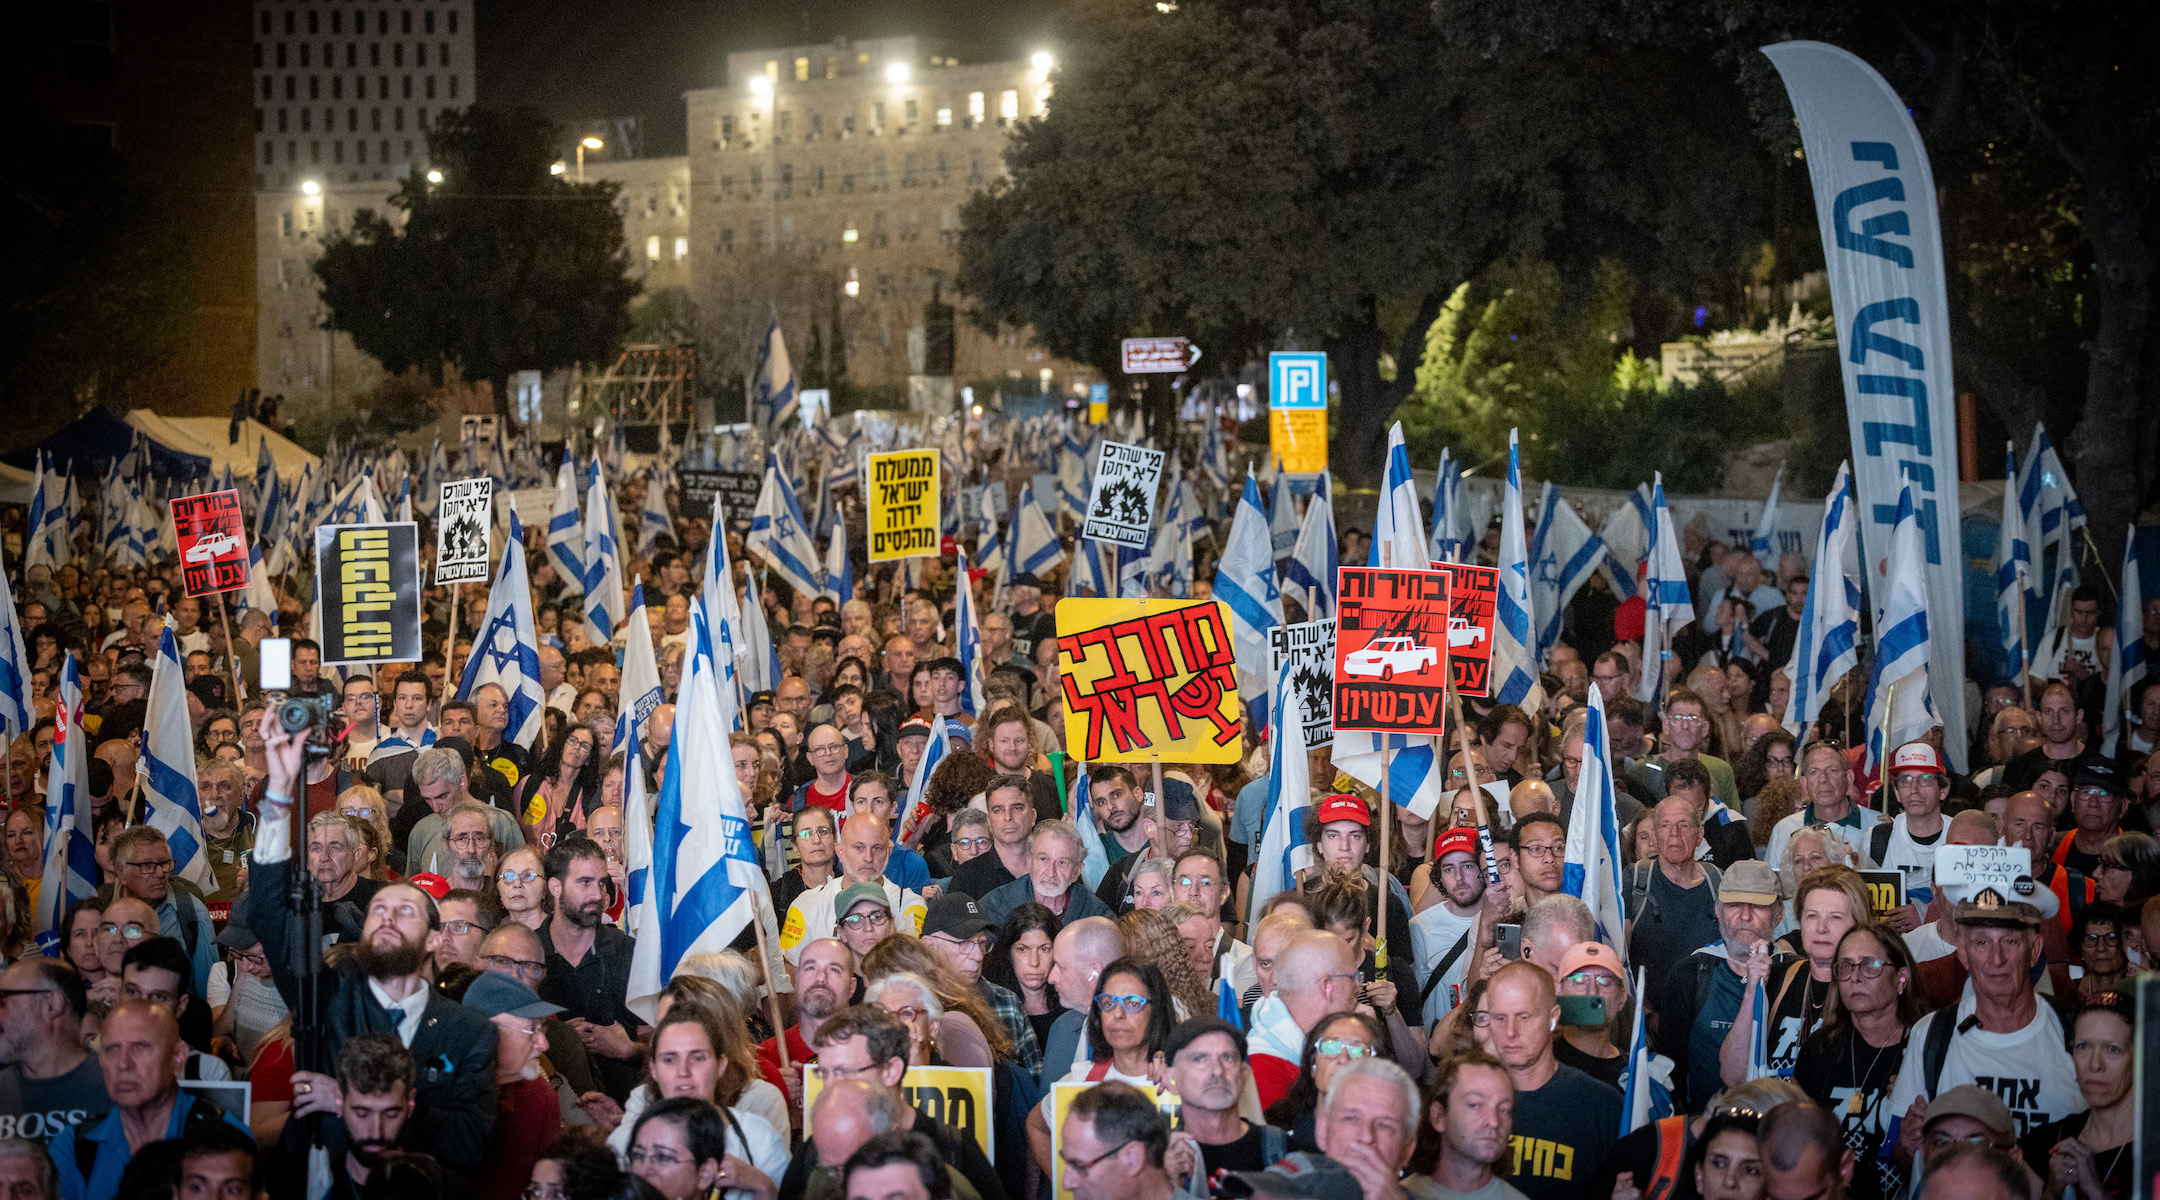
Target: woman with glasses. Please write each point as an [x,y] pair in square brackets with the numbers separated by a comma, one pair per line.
[1020,960]
[1337,1039]
[1827,903]
[817,842]
[1771,757]
[1850,1061]
[968,836]
[967,1019]
[680,1147]
[2089,1156]
[1128,1025]
[521,885]
[699,1053]
[908,998]
[365,805]
[2097,939]
[2128,871]
[562,789]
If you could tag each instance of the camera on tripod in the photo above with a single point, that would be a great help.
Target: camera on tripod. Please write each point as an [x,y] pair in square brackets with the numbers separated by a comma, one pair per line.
[295,714]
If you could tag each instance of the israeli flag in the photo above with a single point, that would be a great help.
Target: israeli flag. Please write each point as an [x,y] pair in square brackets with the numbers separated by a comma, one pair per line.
[506,649]
[639,920]
[779,536]
[1095,858]
[1072,477]
[967,640]
[1564,555]
[1035,548]
[1827,644]
[357,504]
[1666,594]
[773,395]
[759,654]
[839,571]
[1758,1062]
[641,692]
[168,767]
[1514,662]
[915,814]
[653,522]
[2048,497]
[71,869]
[1647,1084]
[404,500]
[46,537]
[1089,571]
[431,481]
[1282,519]
[1764,543]
[706,882]
[16,714]
[1627,540]
[1283,850]
[1313,561]
[2126,667]
[265,471]
[1592,870]
[1900,707]
[116,507]
[566,529]
[2014,575]
[724,616]
[1245,584]
[257,595]
[603,564]
[1447,539]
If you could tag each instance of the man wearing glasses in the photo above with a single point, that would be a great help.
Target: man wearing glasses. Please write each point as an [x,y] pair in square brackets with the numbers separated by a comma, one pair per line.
[1687,734]
[1201,882]
[1565,1121]
[1907,842]
[867,1043]
[50,1081]
[1112,1146]
[2098,798]
[865,845]
[1316,974]
[955,930]
[826,748]
[1965,1114]
[145,862]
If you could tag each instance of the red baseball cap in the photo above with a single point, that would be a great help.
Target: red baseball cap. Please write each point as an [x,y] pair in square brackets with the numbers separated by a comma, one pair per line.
[433,885]
[1916,758]
[1461,838]
[1344,807]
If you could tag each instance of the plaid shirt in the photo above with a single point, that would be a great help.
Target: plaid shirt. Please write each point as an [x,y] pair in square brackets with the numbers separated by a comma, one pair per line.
[1027,1052]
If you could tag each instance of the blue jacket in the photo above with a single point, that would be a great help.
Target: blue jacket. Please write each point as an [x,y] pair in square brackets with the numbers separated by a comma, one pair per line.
[111,1158]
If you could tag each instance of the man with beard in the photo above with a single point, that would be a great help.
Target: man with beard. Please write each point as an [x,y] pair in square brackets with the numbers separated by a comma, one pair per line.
[1441,937]
[1205,1057]
[1702,993]
[382,988]
[375,1100]
[1004,735]
[1114,794]
[588,963]
[472,854]
[825,983]
[1055,855]
[438,774]
[865,847]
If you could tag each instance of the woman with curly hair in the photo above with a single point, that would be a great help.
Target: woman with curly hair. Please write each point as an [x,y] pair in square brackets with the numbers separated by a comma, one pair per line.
[1771,757]
[961,1002]
[562,789]
[1780,799]
[960,777]
[1151,936]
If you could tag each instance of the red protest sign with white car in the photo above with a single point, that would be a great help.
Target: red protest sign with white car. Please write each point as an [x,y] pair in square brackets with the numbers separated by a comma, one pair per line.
[1391,650]
[1472,608]
[213,542]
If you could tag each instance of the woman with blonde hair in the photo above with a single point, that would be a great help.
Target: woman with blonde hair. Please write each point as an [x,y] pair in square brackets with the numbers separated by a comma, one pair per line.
[366,805]
[1829,901]
[960,1002]
[1149,935]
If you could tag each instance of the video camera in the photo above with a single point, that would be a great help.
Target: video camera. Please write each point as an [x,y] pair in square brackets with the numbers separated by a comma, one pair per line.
[295,714]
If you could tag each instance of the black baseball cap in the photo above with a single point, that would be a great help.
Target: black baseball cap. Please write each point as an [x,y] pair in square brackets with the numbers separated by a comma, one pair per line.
[757,698]
[1023,579]
[955,913]
[1192,1029]
[2102,774]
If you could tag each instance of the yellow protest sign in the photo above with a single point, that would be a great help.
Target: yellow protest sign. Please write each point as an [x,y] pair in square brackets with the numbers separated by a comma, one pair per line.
[903,503]
[1061,1098]
[1149,680]
[957,1096]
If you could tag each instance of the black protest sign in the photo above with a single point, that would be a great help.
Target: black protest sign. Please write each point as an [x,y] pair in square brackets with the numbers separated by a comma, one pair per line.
[367,580]
[737,490]
[1122,508]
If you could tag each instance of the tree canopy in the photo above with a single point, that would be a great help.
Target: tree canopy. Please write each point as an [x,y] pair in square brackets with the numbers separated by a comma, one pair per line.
[499,268]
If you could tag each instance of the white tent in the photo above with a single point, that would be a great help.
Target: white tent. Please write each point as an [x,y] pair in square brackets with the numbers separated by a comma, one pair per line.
[207,436]
[15,484]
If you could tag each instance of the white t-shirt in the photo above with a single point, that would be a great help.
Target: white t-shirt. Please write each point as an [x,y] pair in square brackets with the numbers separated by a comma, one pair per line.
[2029,1069]
[811,916]
[1857,838]
[1914,858]
[1433,933]
[1927,944]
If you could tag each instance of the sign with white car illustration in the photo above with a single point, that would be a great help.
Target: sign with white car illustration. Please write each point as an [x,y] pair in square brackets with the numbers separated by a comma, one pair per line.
[1473,597]
[1391,650]
[213,542]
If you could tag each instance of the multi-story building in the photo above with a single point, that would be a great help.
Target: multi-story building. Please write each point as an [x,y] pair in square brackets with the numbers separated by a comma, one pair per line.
[655,207]
[827,180]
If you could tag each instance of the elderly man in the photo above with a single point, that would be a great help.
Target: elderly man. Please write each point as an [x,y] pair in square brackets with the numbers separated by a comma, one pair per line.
[1671,901]
[1962,1115]
[874,792]
[1702,993]
[957,932]
[898,656]
[1316,974]
[1055,855]
[828,788]
[333,850]
[1472,1109]
[1565,1121]
[50,1081]
[1825,779]
[2010,726]
[1077,957]
[1112,1143]
[145,863]
[439,775]
[1366,1128]
[383,988]
[997,641]
[2098,798]
[865,845]
[228,829]
[1725,838]
[1200,882]
[554,680]
[141,1055]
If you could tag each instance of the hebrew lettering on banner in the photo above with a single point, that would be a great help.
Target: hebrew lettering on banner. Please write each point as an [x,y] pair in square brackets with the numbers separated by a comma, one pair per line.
[1391,650]
[1149,680]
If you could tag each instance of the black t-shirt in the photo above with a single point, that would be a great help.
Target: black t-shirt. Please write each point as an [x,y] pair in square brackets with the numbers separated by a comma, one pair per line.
[36,1109]
[1605,1070]
[1244,1154]
[2113,1164]
[2076,859]
[1562,1132]
[1795,1014]
[1672,923]
[1029,630]
[1851,1079]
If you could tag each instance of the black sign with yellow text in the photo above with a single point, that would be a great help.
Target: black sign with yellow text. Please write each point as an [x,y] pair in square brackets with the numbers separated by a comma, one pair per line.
[367,580]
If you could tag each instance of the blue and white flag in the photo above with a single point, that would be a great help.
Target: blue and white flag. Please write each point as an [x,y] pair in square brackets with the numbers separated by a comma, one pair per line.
[16,713]
[1095,857]
[1627,540]
[603,563]
[1665,593]
[759,653]
[724,617]
[1764,543]
[71,869]
[779,536]
[1514,651]
[437,470]
[1758,1061]
[653,522]
[1283,850]
[1827,644]
[1245,583]
[1447,537]
[914,815]
[46,535]
[967,641]
[566,528]
[2014,574]
[1313,561]
[839,569]
[2051,504]
[1592,862]
[1900,707]
[641,692]
[168,767]
[773,395]
[1564,554]
[2126,667]
[1646,1088]
[639,919]
[265,471]
[1090,572]
[706,882]
[1033,542]
[404,500]
[1072,476]
[506,648]
[1282,519]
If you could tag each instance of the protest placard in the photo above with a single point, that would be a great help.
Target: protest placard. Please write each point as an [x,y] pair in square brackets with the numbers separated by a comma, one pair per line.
[1308,652]
[1473,599]
[1886,890]
[367,578]
[1122,508]
[737,490]
[213,542]
[1969,869]
[1149,681]
[957,1096]
[464,523]
[903,505]
[1391,650]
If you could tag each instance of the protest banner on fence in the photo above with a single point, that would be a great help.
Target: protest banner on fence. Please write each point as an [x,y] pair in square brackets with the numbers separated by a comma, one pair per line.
[1473,599]
[1391,650]
[464,523]
[1122,508]
[1308,652]
[738,492]
[368,585]
[903,505]
[213,542]
[1149,680]
[957,1096]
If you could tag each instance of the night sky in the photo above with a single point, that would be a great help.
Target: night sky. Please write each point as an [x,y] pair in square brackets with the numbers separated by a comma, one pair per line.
[583,59]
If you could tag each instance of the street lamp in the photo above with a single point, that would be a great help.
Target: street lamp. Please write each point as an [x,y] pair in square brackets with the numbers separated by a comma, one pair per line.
[555,168]
[310,188]
[896,72]
[434,176]
[584,144]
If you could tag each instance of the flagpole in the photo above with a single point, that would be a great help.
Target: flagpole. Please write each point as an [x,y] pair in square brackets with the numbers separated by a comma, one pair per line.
[450,646]
[1477,793]
[2024,650]
[232,656]
[1162,810]
[772,988]
[1379,933]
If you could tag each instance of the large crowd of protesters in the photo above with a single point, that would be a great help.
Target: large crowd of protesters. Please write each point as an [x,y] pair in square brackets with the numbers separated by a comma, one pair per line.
[1412,1030]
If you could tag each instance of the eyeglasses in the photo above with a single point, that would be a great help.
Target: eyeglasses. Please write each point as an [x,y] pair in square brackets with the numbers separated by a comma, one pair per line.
[1553,851]
[876,918]
[2111,864]
[525,876]
[365,814]
[973,843]
[1083,1168]
[527,1030]
[521,968]
[469,840]
[1940,1140]
[1336,1047]
[543,1191]
[828,749]
[1351,975]
[157,867]
[816,833]
[654,1158]
[131,931]
[2094,938]
[980,943]
[1864,968]
[1683,719]
[258,961]
[1107,1004]
[1196,881]
[461,928]
[9,993]
[1486,1020]
[907,1013]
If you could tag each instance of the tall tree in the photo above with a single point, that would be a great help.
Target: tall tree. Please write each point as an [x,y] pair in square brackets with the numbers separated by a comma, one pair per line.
[499,268]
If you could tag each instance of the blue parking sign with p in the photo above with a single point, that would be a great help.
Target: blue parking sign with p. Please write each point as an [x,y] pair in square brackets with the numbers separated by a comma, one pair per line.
[1297,379]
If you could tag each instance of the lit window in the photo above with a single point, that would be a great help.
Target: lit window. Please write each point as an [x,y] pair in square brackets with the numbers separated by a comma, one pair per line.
[1009,105]
[682,248]
[848,234]
[944,118]
[975,107]
[802,69]
[652,247]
